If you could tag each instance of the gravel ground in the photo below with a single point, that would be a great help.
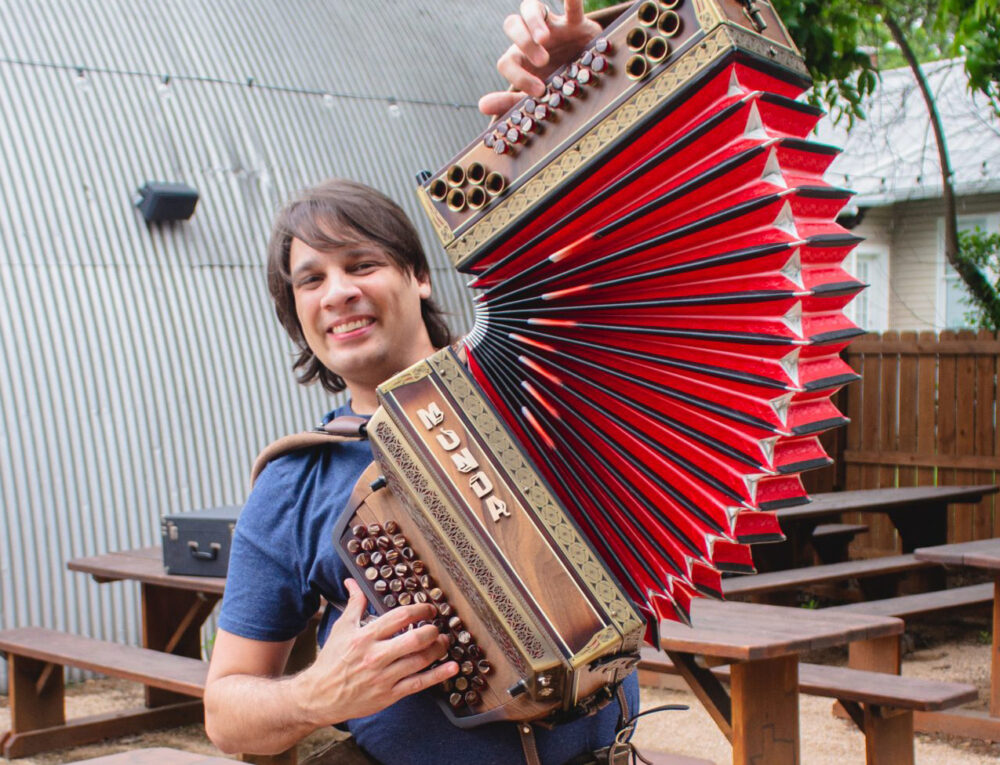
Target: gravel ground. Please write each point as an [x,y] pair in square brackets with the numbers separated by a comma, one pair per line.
[957,651]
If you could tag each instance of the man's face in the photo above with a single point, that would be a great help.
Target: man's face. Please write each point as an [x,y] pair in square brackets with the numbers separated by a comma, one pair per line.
[360,313]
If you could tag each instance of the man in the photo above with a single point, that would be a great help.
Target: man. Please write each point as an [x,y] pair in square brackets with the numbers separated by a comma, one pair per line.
[351,285]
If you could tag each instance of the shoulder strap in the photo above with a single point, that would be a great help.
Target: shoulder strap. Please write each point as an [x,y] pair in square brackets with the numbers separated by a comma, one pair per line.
[337,430]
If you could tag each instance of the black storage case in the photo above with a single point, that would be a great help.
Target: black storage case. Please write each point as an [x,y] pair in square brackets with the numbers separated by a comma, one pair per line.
[197,543]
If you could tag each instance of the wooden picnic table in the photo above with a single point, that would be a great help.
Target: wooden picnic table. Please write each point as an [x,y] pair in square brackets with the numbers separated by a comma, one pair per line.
[919,514]
[985,556]
[760,713]
[174,608]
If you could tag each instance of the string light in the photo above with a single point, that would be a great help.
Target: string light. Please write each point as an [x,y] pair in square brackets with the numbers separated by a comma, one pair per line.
[327,96]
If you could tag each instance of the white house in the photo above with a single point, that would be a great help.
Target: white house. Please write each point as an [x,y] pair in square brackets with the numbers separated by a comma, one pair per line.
[891,161]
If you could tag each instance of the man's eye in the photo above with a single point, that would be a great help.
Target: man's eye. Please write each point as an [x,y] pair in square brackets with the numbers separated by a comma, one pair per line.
[366,265]
[307,281]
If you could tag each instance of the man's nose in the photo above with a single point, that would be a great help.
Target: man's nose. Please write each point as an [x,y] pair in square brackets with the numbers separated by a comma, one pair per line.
[341,287]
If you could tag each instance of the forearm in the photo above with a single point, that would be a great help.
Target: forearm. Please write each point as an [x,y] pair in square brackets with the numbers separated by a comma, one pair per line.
[257,715]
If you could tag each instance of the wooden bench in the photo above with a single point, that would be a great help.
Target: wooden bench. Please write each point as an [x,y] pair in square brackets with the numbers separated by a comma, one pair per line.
[797,578]
[885,654]
[831,540]
[881,705]
[156,756]
[35,660]
[906,606]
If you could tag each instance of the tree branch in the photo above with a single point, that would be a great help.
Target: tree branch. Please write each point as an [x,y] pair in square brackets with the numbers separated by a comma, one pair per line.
[979,286]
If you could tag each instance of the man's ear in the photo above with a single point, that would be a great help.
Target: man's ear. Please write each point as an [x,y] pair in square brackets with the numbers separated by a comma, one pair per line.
[424,286]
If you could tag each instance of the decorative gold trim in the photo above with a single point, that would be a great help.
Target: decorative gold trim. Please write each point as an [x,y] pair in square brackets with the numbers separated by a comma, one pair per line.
[418,371]
[440,225]
[486,423]
[615,124]
[506,615]
[708,14]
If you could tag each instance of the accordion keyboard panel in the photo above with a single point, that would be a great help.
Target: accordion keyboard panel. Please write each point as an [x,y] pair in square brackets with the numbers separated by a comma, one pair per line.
[397,565]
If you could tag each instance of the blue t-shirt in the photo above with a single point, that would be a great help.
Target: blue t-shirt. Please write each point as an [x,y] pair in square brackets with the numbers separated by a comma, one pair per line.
[283,560]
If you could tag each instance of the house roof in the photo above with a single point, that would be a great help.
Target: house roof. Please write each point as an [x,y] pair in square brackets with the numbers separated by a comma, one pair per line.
[892,155]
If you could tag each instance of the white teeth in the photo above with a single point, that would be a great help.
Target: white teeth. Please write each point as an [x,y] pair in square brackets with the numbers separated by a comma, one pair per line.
[351,326]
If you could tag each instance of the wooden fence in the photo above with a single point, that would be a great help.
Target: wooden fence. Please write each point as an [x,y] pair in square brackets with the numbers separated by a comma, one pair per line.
[924,413]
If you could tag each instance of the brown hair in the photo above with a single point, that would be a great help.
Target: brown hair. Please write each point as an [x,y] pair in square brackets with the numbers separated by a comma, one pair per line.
[351,211]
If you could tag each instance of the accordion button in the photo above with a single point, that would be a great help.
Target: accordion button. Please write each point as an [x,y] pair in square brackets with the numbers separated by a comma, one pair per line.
[384,542]
[408,553]
[585,77]
[467,668]
[371,573]
[587,58]
[500,147]
[541,112]
[556,100]
[418,567]
[445,609]
[464,637]
[391,527]
[483,666]
[377,558]
[425,581]
[477,681]
[381,586]
[360,530]
[363,559]
[515,118]
[557,82]
[385,572]
[374,529]
[420,597]
[529,105]
[601,45]
[392,557]
[489,140]
[471,698]
[473,651]
[411,584]
[390,601]
[461,683]
[574,70]
[527,124]
[396,585]
[599,64]
[399,540]
[455,623]
[570,88]
[456,652]
[436,594]
[513,135]
[353,546]
[367,544]
[405,598]
[455,699]
[401,569]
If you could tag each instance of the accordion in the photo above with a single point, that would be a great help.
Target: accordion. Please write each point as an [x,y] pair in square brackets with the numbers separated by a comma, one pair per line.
[659,320]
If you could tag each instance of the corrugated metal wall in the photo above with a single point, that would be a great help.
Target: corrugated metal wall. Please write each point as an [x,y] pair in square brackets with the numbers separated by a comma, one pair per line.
[141,368]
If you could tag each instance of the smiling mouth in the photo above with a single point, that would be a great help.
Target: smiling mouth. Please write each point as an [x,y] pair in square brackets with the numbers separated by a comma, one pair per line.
[351,326]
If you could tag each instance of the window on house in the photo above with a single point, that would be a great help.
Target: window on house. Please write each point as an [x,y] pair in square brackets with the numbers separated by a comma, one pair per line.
[870,308]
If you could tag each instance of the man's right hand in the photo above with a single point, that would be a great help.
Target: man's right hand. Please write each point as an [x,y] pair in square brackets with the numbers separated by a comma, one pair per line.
[362,670]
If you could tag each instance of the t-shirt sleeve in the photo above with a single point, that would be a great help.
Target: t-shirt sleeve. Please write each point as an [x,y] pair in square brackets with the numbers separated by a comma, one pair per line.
[268,596]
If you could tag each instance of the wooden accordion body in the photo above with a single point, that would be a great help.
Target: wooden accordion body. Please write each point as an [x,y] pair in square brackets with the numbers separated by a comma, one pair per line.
[537,623]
